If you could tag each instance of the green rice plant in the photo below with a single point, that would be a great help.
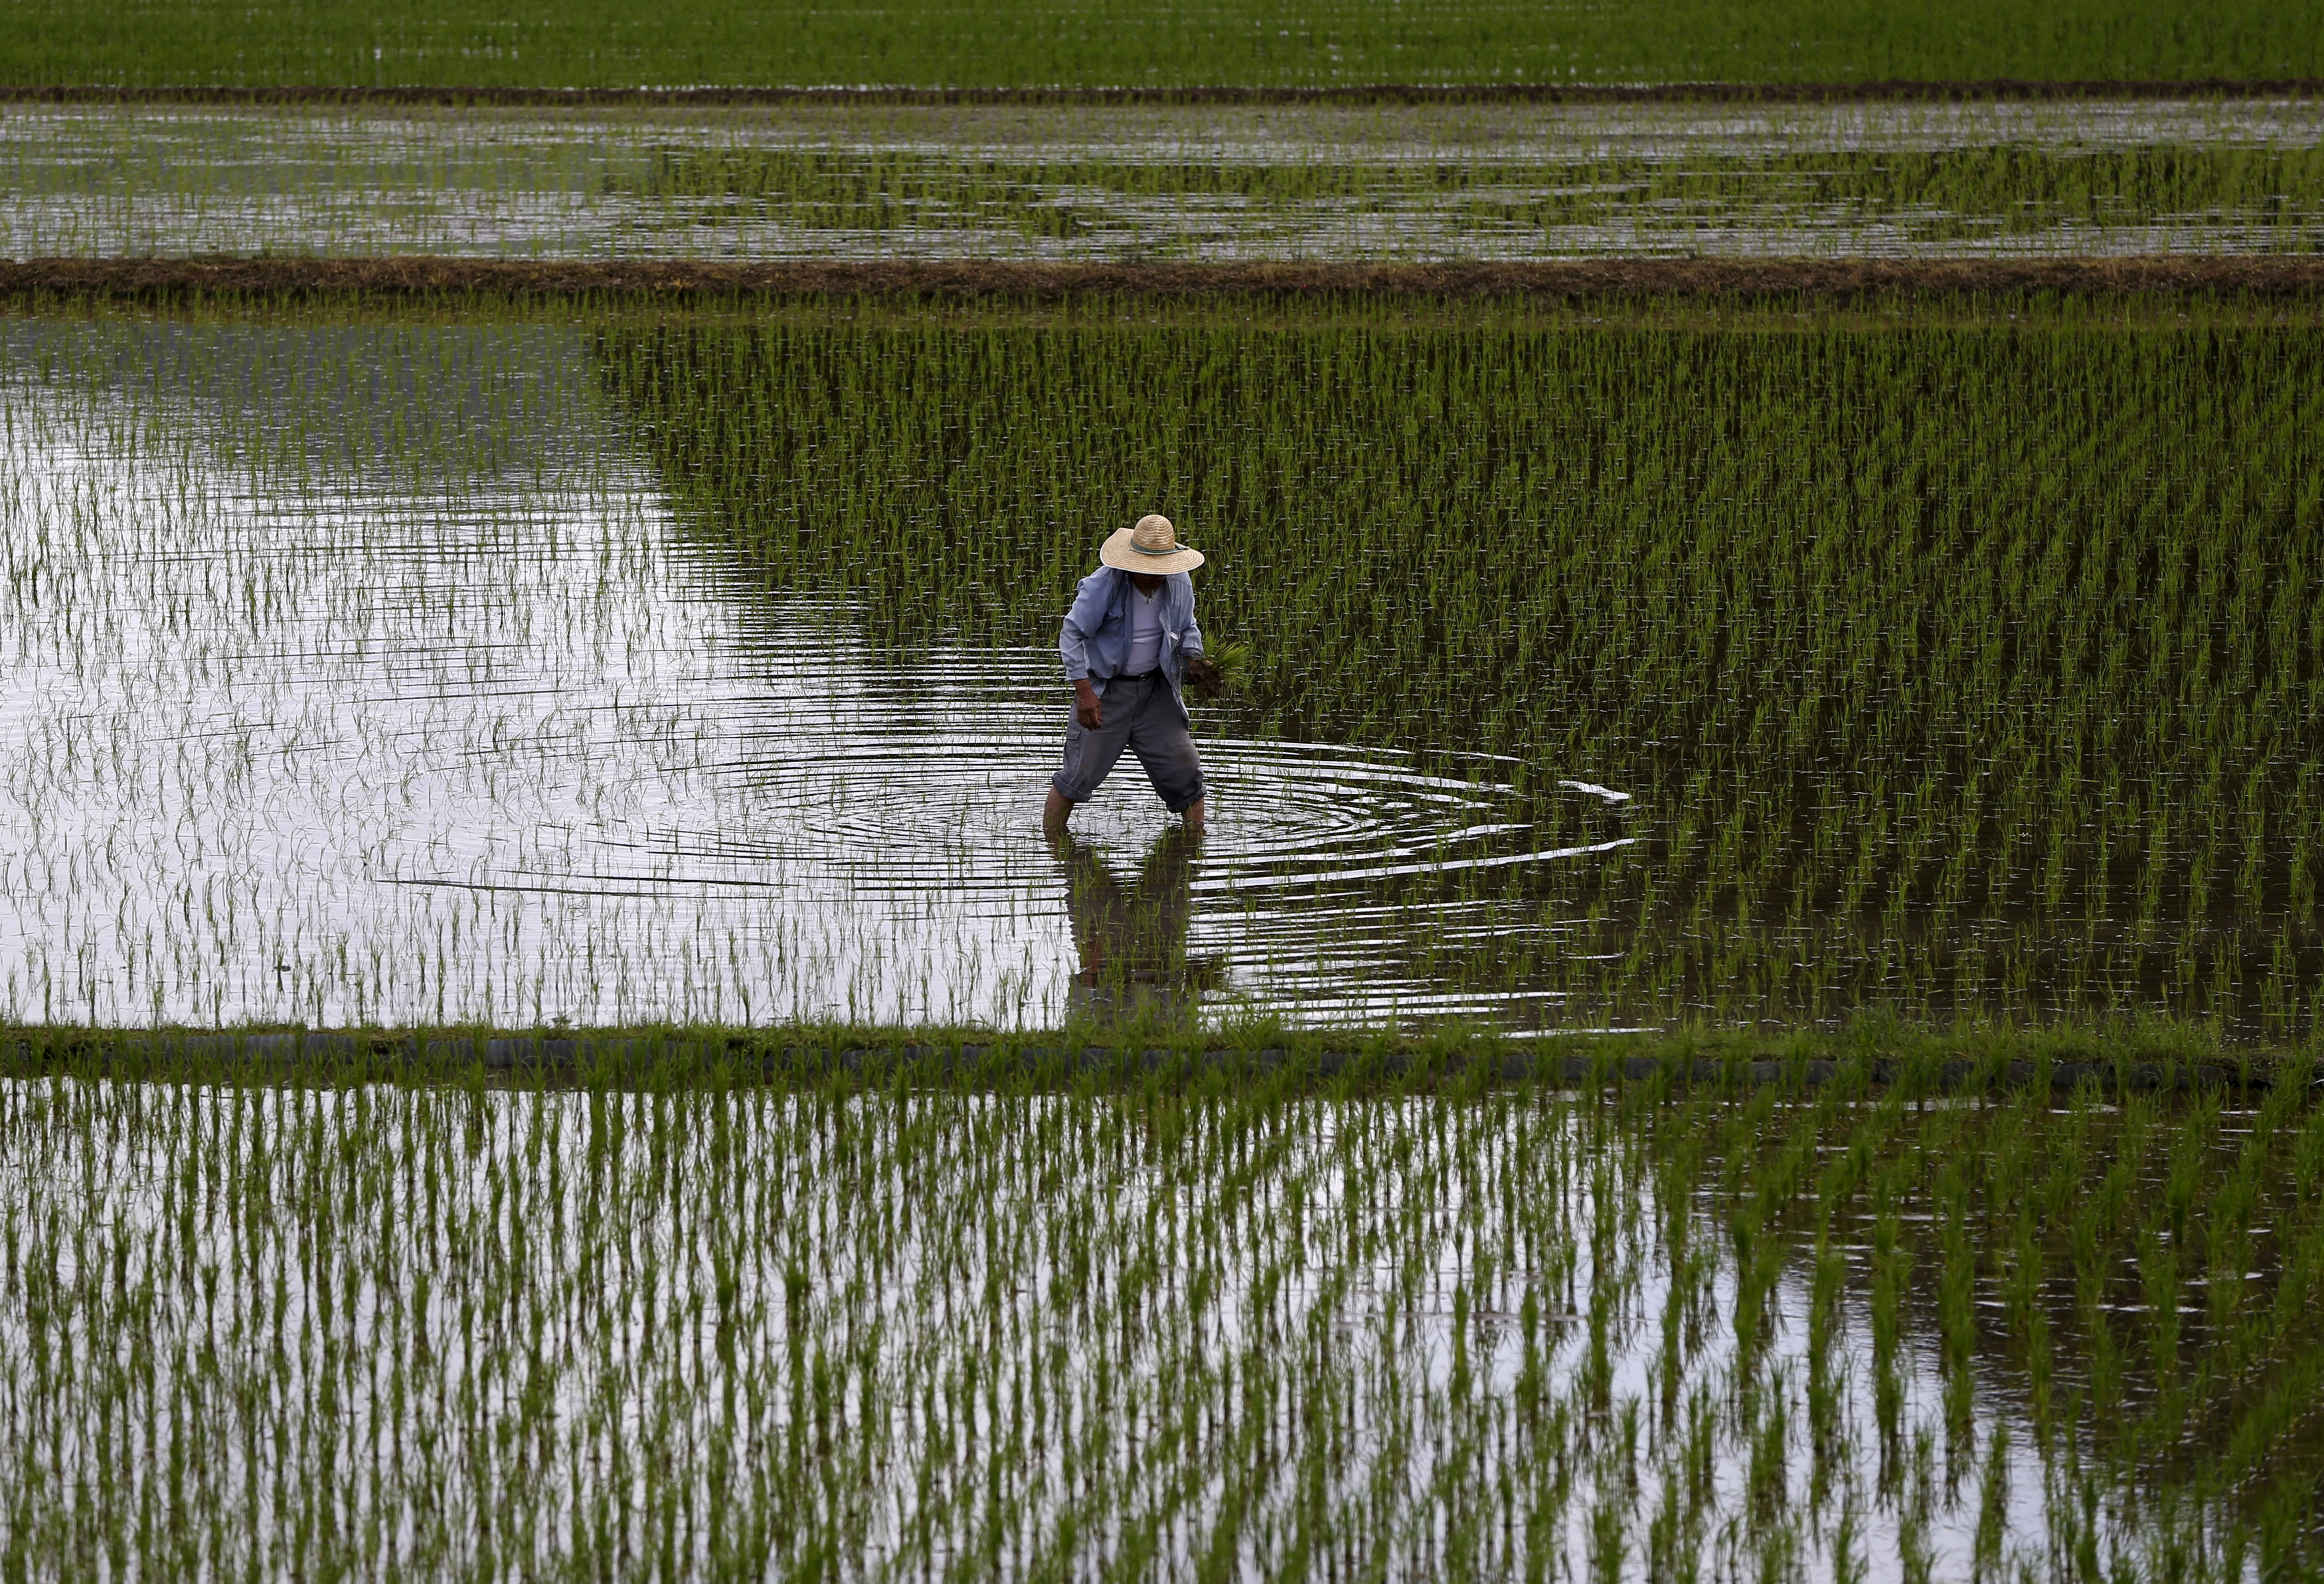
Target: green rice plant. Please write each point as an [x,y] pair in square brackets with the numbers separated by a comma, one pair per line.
[1147,1326]
[1160,182]
[1673,676]
[2188,1378]
[1946,668]
[612,42]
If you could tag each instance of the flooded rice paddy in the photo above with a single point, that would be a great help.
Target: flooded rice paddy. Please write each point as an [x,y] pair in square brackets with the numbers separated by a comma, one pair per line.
[1136,183]
[315,714]
[681,1334]
[512,672]
[621,671]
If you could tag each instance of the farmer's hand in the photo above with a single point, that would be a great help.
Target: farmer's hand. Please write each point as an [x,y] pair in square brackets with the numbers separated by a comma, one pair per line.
[1086,709]
[1203,672]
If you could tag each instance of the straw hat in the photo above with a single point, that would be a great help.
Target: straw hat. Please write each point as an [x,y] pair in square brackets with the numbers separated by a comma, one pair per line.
[1152,546]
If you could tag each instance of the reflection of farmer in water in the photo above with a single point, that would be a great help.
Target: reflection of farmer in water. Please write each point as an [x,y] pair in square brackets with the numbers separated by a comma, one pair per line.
[1127,641]
[1132,940]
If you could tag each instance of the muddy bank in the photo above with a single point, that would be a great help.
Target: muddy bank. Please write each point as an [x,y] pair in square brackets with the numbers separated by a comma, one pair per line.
[1768,93]
[1741,279]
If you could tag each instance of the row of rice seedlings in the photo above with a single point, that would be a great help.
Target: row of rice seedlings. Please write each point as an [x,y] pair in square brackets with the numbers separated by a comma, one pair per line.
[1960,669]
[909,1332]
[1384,182]
[355,642]
[2143,1276]
[2014,195]
[1046,43]
[1827,882]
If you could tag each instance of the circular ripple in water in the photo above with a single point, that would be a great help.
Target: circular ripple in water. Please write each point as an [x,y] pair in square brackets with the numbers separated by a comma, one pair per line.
[1333,881]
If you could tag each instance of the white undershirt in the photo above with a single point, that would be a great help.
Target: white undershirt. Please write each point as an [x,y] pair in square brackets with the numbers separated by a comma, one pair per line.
[1145,631]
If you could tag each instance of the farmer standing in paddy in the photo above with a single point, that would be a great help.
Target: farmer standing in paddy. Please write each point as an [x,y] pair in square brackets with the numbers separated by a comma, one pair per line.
[1129,642]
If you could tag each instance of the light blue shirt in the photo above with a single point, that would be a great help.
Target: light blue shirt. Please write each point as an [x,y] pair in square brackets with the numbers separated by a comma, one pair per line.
[1095,642]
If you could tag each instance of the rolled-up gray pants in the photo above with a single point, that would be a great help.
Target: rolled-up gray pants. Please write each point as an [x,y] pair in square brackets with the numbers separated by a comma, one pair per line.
[1144,717]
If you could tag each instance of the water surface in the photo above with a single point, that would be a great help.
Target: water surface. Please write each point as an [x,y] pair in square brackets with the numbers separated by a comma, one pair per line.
[1599,676]
[369,679]
[1408,1337]
[1130,183]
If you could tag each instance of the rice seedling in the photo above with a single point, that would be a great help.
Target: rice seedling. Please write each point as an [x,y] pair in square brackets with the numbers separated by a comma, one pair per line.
[1051,43]
[1413,183]
[899,1330]
[374,686]
[410,672]
[1954,669]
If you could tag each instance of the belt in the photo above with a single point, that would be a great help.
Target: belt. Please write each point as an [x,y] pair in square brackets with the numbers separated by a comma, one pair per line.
[1138,675]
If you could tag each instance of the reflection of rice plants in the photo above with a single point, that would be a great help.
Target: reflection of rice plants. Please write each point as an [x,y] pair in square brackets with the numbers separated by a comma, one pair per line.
[1952,668]
[1257,1326]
